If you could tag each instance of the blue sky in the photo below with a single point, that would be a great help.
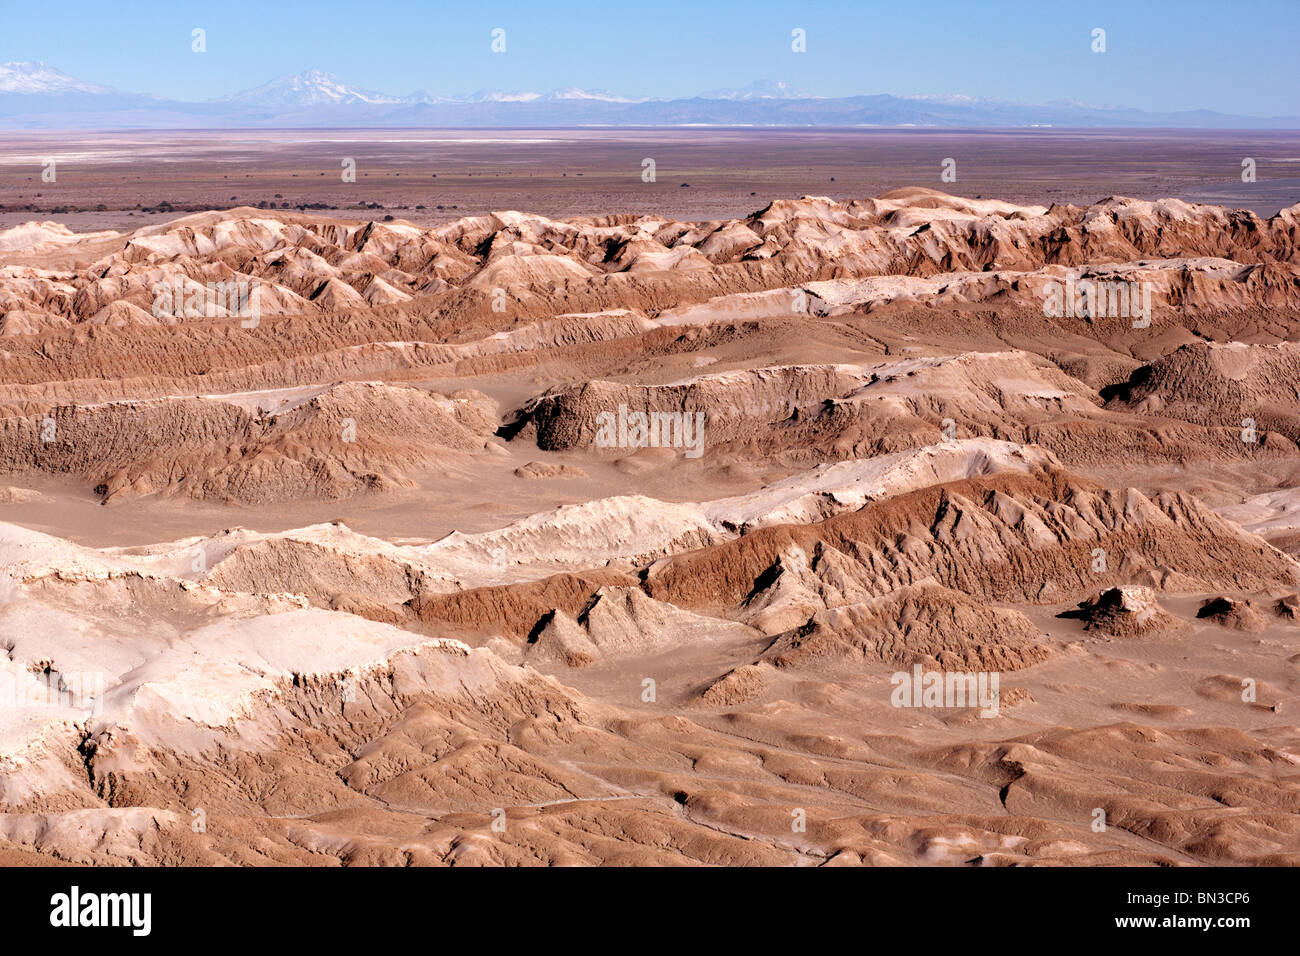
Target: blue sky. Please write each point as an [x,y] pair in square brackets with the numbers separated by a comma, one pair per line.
[1237,56]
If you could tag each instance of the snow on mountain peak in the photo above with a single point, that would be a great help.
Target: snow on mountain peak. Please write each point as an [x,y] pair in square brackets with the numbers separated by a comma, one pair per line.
[309,88]
[759,90]
[38,77]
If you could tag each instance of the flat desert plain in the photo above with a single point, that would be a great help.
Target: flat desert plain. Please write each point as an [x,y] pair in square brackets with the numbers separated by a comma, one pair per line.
[125,180]
[796,508]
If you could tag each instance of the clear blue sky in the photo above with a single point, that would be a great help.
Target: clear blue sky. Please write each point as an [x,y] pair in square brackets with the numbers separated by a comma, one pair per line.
[1237,56]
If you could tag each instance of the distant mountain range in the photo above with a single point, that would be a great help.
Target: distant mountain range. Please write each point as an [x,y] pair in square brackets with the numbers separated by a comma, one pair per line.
[38,96]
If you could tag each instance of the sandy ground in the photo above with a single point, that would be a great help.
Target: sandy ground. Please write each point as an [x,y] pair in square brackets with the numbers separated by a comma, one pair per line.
[452,173]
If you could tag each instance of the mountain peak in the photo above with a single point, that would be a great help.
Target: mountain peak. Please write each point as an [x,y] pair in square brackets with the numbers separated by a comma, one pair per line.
[760,90]
[39,77]
[308,88]
[602,96]
[503,96]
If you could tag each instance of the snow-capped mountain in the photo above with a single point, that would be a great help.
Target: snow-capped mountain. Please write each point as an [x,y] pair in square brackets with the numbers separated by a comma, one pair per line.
[310,88]
[38,96]
[36,78]
[567,93]
[598,96]
[760,90]
[428,96]
[500,96]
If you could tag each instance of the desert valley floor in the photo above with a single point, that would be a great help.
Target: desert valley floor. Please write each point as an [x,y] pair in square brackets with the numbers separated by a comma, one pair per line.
[389,574]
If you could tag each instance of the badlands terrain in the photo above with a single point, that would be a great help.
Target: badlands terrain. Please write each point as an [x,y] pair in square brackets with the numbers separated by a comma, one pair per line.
[388,572]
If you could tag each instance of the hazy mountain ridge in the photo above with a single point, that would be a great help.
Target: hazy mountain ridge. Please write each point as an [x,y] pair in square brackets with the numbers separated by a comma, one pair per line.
[37,96]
